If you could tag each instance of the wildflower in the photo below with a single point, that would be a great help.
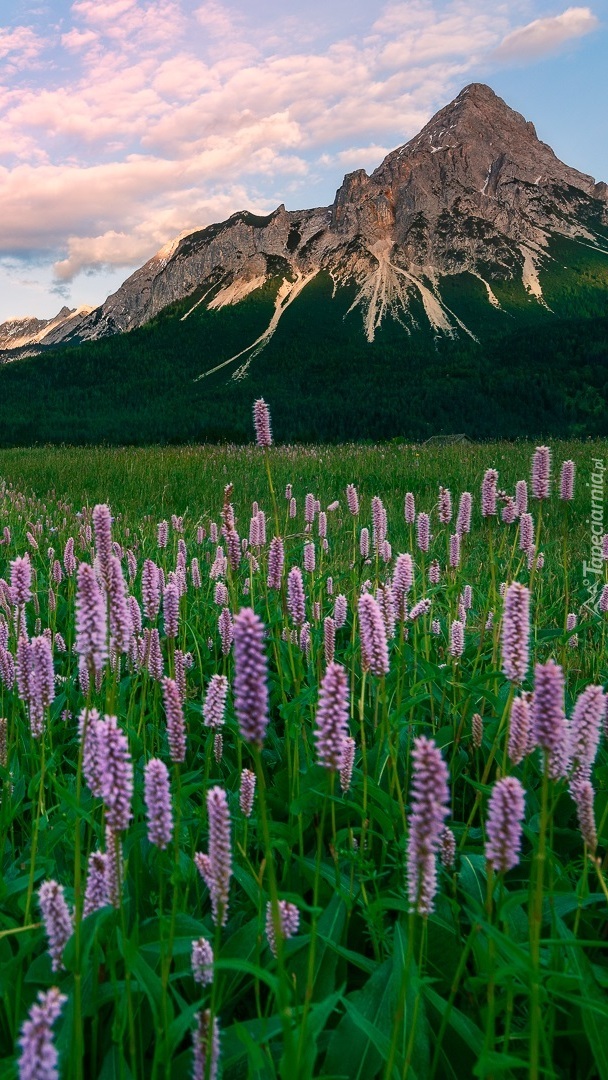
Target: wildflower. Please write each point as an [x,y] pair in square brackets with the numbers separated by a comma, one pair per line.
[157,795]
[57,918]
[247,792]
[215,701]
[202,962]
[430,796]
[150,589]
[526,533]
[251,676]
[162,534]
[364,543]
[521,496]
[489,493]
[289,922]
[204,1042]
[96,893]
[424,532]
[116,773]
[374,647]
[421,608]
[39,1058]
[309,557]
[447,848]
[226,630]
[91,624]
[584,732]
[548,719]
[340,610]
[332,717]
[348,760]
[276,561]
[541,472]
[516,632]
[584,797]
[403,578]
[505,815]
[463,520]
[176,726]
[329,638]
[296,600]
[216,867]
[261,420]
[570,625]
[171,610]
[456,638]
[445,506]
[154,655]
[519,729]
[409,509]
[566,484]
[21,581]
[352,499]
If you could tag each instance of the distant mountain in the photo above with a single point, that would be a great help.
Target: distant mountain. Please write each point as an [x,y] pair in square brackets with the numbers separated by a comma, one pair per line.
[469,234]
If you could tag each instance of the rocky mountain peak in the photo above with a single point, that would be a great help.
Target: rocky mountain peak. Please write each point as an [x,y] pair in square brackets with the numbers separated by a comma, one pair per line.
[476,191]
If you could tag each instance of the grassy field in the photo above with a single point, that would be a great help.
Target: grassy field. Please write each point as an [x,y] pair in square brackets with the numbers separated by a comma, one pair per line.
[334,928]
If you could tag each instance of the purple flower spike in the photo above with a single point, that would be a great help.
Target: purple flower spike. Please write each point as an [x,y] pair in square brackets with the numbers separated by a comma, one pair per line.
[505,815]
[157,795]
[430,798]
[205,1041]
[216,867]
[289,922]
[96,894]
[171,609]
[332,717]
[548,718]
[519,729]
[202,962]
[251,677]
[348,761]
[374,647]
[541,472]
[57,918]
[116,772]
[463,521]
[584,732]
[276,561]
[176,726]
[516,632]
[21,581]
[296,599]
[489,493]
[566,484]
[247,792]
[91,621]
[583,795]
[215,701]
[39,1058]
[261,420]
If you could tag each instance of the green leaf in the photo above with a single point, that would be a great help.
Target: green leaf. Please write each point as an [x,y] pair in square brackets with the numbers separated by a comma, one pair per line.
[361,1042]
[592,1002]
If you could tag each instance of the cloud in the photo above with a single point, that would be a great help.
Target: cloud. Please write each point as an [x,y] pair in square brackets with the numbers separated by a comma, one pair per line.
[545,36]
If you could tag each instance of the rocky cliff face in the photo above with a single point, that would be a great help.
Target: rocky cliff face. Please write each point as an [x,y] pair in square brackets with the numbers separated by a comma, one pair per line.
[475,191]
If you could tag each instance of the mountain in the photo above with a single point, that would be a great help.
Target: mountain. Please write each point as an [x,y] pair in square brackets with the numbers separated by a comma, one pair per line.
[469,235]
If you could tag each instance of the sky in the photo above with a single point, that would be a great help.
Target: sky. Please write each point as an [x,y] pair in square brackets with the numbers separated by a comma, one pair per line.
[124,123]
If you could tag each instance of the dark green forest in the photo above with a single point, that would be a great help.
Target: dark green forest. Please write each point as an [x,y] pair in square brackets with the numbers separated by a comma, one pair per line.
[532,371]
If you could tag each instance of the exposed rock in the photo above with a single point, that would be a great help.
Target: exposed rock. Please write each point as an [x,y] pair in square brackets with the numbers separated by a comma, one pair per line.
[476,190]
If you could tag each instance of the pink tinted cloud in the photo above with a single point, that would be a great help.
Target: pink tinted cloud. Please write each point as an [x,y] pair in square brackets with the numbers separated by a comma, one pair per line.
[544,36]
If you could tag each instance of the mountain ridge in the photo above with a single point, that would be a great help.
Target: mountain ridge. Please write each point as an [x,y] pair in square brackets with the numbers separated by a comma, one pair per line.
[475,191]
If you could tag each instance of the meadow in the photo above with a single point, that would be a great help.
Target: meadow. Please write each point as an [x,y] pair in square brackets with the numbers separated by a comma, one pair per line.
[303,762]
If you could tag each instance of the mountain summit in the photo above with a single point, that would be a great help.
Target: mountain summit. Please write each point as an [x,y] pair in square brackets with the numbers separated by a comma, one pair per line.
[475,192]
